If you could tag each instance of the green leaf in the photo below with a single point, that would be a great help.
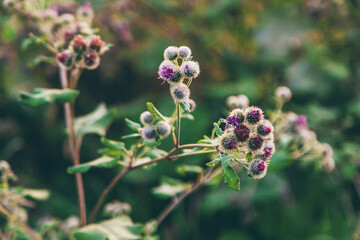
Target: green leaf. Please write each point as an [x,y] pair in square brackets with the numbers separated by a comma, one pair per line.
[42,96]
[29,41]
[155,153]
[133,125]
[185,106]
[133,135]
[107,162]
[113,145]
[248,157]
[229,174]
[170,187]
[187,116]
[214,162]
[42,59]
[152,109]
[120,228]
[184,169]
[95,122]
[218,130]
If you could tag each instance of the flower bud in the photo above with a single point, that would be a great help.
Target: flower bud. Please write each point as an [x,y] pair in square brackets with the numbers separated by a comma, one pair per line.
[283,93]
[228,143]
[192,105]
[79,44]
[148,133]
[180,92]
[96,43]
[66,58]
[242,132]
[171,53]
[184,52]
[265,128]
[146,118]
[91,60]
[257,168]
[253,115]
[255,144]
[190,69]
[169,72]
[163,128]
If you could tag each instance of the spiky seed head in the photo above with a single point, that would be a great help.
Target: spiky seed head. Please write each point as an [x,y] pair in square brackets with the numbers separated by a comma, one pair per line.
[228,143]
[148,133]
[171,53]
[242,132]
[283,93]
[66,58]
[265,128]
[255,144]
[190,69]
[146,118]
[192,105]
[253,115]
[163,128]
[184,52]
[91,60]
[169,72]
[180,92]
[257,168]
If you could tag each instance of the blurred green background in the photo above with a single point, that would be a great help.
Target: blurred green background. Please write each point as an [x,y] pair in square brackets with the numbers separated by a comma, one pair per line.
[243,47]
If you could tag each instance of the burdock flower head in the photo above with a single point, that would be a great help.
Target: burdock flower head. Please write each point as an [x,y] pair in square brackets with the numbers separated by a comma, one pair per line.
[91,60]
[66,58]
[148,133]
[146,118]
[255,144]
[253,115]
[236,117]
[228,143]
[190,69]
[265,128]
[184,52]
[169,72]
[240,101]
[171,53]
[163,128]
[242,132]
[180,92]
[283,93]
[257,168]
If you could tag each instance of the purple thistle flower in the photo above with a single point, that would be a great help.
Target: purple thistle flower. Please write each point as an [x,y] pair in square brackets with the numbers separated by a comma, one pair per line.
[166,73]
[242,132]
[254,115]
[228,143]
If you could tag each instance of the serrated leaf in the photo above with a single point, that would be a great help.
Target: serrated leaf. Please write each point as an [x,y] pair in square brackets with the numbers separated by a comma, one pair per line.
[230,177]
[218,130]
[106,162]
[120,228]
[214,162]
[152,109]
[185,106]
[132,125]
[42,96]
[95,122]
[184,169]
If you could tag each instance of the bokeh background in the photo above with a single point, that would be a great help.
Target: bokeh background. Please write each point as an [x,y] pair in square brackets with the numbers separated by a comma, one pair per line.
[244,47]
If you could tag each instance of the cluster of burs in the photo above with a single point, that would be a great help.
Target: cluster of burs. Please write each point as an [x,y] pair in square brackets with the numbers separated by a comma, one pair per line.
[179,70]
[67,31]
[152,129]
[247,131]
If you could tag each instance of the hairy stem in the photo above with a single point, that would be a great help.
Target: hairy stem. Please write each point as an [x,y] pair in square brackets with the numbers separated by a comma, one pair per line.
[177,200]
[13,217]
[118,177]
[178,124]
[74,147]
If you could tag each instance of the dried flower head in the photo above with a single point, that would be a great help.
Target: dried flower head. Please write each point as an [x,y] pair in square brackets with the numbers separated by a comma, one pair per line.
[180,92]
[146,118]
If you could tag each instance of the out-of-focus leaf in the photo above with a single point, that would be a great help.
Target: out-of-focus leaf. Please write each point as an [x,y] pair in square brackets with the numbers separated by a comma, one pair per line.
[111,144]
[38,194]
[119,228]
[185,106]
[42,59]
[43,95]
[229,174]
[155,153]
[133,135]
[214,162]
[152,109]
[133,125]
[170,187]
[106,162]
[218,130]
[95,122]
[184,169]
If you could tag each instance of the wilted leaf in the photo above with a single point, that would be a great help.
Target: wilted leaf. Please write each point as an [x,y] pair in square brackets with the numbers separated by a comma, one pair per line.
[43,95]
[106,162]
[95,122]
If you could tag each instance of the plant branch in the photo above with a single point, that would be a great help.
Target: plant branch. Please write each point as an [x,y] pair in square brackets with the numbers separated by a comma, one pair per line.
[74,146]
[118,177]
[177,125]
[177,200]
[26,228]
